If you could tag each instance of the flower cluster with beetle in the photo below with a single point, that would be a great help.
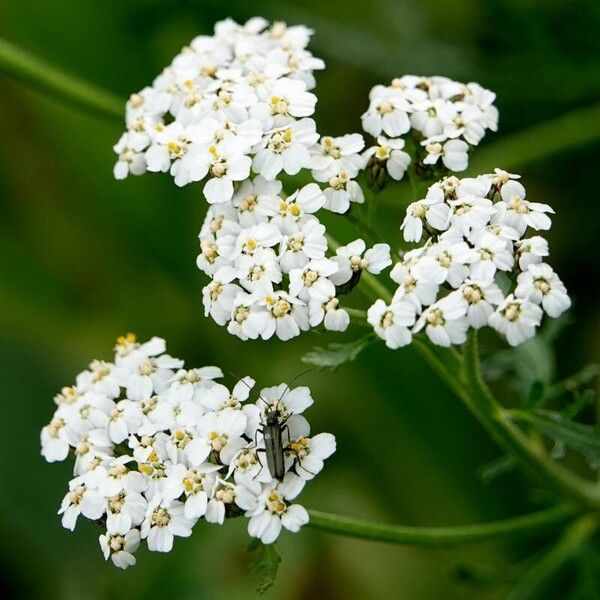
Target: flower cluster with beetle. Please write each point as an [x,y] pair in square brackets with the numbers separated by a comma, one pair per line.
[157,447]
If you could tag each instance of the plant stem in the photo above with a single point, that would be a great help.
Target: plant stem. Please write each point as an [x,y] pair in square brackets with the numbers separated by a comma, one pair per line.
[516,527]
[479,399]
[571,541]
[77,92]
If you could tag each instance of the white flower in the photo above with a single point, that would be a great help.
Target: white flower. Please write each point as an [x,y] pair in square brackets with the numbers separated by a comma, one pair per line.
[492,254]
[247,317]
[445,261]
[518,213]
[444,321]
[210,258]
[81,499]
[287,99]
[433,210]
[195,483]
[541,285]
[120,547]
[124,511]
[249,471]
[341,192]
[143,374]
[391,323]
[219,295]
[271,513]
[101,376]
[249,240]
[130,149]
[334,155]
[324,308]
[290,212]
[285,316]
[286,149]
[169,145]
[220,433]
[56,439]
[313,280]
[219,397]
[431,117]
[258,272]
[470,213]
[117,477]
[255,199]
[531,251]
[387,113]
[516,318]
[308,454]
[307,243]
[123,419]
[390,152]
[419,292]
[351,261]
[454,153]
[289,401]
[481,297]
[224,494]
[165,520]
[223,166]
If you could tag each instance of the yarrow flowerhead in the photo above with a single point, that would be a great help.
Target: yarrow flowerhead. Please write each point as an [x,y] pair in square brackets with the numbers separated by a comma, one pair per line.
[158,447]
[439,117]
[476,268]
[234,111]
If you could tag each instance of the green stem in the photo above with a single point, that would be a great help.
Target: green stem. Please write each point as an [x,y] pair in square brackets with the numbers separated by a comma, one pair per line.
[480,401]
[513,528]
[571,541]
[77,92]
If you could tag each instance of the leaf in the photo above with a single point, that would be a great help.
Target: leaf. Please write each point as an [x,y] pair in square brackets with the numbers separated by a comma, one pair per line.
[536,394]
[583,438]
[335,355]
[533,361]
[265,564]
[496,468]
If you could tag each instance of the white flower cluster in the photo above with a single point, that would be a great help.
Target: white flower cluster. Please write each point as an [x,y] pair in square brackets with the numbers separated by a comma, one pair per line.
[266,257]
[477,267]
[445,118]
[229,102]
[239,102]
[235,102]
[158,447]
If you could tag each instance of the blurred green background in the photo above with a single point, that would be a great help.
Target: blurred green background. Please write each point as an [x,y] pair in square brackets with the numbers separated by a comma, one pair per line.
[84,258]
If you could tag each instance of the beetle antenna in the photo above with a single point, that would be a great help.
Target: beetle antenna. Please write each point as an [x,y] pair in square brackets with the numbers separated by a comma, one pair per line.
[287,387]
[248,386]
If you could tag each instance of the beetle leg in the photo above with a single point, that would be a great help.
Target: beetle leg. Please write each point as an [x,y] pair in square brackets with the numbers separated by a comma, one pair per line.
[305,469]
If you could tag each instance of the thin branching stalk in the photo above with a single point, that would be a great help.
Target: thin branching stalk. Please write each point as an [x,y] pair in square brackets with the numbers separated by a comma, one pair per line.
[478,397]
